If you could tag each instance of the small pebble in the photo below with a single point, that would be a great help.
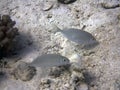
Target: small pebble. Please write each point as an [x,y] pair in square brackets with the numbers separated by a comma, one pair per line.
[82,86]
[47,6]
[109,5]
[67,85]
[75,58]
[45,81]
[76,78]
[66,1]
[49,16]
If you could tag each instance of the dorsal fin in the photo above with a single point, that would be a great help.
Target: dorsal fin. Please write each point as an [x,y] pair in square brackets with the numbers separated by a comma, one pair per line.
[83,28]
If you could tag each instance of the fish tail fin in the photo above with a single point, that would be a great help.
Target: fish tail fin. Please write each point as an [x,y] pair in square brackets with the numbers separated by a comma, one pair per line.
[55,29]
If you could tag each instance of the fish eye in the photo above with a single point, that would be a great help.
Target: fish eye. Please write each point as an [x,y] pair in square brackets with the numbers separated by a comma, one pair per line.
[64,59]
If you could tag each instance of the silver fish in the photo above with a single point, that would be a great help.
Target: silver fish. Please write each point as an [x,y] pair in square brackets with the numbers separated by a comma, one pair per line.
[78,36]
[50,60]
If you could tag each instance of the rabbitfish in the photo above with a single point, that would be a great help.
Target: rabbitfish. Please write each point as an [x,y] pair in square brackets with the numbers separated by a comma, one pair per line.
[78,36]
[50,60]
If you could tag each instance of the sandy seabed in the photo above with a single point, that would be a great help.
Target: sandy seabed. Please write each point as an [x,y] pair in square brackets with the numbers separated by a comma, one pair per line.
[35,23]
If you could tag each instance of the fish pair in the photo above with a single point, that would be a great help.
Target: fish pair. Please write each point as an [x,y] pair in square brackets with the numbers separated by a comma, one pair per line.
[78,36]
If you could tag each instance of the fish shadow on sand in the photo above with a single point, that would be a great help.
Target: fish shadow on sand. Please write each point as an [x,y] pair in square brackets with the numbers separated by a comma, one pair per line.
[89,78]
[90,46]
[57,71]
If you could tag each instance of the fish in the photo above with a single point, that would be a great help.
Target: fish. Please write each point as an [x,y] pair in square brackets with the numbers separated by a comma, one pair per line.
[50,60]
[77,35]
